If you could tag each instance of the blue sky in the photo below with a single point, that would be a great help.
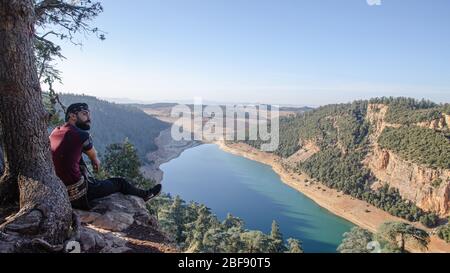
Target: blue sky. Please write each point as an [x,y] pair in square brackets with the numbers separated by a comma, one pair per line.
[283,52]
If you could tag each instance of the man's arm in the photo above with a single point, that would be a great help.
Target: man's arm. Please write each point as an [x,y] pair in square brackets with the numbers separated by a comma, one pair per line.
[92,155]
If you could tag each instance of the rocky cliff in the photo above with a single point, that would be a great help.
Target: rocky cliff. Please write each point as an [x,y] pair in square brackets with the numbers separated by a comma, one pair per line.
[428,188]
[437,124]
[117,224]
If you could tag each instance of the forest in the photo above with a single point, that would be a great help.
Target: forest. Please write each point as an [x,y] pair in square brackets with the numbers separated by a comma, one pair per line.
[408,111]
[421,145]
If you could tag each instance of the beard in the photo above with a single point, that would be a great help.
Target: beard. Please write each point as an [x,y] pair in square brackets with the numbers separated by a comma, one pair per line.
[83,125]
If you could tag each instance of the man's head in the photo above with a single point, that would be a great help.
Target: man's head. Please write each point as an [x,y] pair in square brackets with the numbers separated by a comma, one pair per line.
[78,114]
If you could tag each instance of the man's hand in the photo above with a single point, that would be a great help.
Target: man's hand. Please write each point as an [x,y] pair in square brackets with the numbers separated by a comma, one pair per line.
[95,165]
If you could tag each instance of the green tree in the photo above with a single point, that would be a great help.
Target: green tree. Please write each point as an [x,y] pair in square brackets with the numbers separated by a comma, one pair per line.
[355,241]
[231,221]
[277,245]
[167,223]
[398,234]
[44,212]
[197,230]
[234,241]
[176,210]
[294,246]
[122,160]
[214,240]
[444,233]
[255,242]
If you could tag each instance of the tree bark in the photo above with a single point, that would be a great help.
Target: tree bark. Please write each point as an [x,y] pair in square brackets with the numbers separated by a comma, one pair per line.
[29,177]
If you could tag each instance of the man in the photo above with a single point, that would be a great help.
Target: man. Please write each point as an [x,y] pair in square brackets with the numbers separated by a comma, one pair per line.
[68,142]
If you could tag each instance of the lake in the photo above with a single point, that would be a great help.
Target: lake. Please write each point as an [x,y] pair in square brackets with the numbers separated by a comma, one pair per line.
[250,190]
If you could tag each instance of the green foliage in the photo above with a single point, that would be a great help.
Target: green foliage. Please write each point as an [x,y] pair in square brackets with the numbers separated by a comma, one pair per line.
[113,123]
[342,124]
[356,241]
[294,246]
[408,111]
[429,219]
[399,233]
[444,233]
[277,244]
[195,229]
[342,172]
[390,200]
[50,106]
[326,126]
[121,160]
[420,145]
[289,136]
[391,237]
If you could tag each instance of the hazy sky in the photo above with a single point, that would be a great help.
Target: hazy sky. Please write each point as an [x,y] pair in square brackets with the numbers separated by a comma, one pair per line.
[281,51]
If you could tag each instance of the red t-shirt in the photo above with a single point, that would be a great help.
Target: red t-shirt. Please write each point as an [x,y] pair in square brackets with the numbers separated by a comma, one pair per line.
[67,143]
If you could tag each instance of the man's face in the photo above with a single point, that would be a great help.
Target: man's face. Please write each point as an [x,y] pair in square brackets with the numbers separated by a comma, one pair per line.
[83,120]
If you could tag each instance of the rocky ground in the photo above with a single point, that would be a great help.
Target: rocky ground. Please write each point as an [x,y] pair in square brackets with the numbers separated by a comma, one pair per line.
[121,224]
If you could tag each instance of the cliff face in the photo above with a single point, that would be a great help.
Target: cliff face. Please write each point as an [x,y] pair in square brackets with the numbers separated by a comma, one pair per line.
[437,124]
[428,188]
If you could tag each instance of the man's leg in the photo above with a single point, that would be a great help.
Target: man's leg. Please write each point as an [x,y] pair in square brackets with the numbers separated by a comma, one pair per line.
[102,188]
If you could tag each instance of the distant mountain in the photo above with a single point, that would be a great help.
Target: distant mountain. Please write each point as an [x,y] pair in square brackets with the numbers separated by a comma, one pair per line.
[112,123]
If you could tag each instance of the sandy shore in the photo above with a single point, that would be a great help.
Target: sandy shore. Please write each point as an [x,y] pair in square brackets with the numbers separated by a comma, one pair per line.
[356,211]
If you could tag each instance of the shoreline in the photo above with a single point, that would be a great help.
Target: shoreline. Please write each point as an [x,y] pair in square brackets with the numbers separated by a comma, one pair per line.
[351,209]
[168,149]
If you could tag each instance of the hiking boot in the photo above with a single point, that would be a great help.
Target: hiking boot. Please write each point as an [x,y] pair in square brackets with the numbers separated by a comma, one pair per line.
[153,192]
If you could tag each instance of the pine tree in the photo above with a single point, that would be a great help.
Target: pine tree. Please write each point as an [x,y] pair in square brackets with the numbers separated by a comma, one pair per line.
[276,237]
[176,211]
[234,241]
[214,240]
[397,234]
[355,241]
[231,221]
[255,242]
[122,160]
[197,230]
[294,246]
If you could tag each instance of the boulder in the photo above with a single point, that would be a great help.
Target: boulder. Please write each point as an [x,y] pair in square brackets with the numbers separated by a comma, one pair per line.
[104,227]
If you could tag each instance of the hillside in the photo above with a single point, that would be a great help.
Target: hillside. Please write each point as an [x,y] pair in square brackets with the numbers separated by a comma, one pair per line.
[112,123]
[391,153]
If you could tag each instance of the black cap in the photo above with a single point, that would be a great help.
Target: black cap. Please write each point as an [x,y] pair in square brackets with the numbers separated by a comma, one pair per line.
[75,108]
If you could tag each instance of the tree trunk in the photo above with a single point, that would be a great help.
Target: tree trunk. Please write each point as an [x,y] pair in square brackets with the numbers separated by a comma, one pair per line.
[402,247]
[45,212]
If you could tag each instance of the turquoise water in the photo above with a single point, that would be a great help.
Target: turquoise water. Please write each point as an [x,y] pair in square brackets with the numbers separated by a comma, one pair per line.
[253,192]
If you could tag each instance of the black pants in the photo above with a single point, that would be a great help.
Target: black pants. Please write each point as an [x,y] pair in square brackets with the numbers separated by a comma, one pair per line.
[102,188]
